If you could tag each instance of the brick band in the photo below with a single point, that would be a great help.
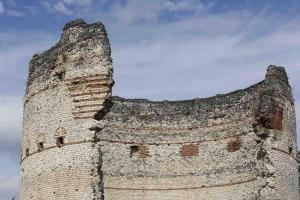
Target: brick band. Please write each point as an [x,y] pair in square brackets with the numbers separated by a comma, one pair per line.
[184,188]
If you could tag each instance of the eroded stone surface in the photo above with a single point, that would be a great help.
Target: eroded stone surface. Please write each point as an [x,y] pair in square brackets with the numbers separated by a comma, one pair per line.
[67,86]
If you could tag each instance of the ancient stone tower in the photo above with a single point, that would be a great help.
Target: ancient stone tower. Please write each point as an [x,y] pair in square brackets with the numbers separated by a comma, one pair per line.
[80,143]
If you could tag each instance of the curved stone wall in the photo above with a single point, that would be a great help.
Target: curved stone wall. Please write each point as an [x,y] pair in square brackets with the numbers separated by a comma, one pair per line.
[67,86]
[239,145]
[79,142]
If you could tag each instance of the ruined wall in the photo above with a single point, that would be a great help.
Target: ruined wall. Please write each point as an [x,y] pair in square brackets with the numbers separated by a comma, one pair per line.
[239,145]
[66,88]
[277,127]
[79,143]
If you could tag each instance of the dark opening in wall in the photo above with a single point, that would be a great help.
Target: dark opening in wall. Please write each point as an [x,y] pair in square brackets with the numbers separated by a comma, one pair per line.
[40,146]
[261,154]
[234,144]
[60,76]
[64,58]
[134,150]
[27,152]
[189,150]
[60,141]
[290,150]
[140,151]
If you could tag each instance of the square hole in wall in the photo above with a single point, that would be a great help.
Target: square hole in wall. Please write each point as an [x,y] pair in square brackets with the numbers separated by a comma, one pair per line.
[60,76]
[139,151]
[27,152]
[134,150]
[60,141]
[40,146]
[290,150]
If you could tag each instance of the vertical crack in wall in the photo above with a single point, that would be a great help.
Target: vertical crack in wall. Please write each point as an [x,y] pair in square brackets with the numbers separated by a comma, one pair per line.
[100,171]
[97,183]
[266,169]
[99,186]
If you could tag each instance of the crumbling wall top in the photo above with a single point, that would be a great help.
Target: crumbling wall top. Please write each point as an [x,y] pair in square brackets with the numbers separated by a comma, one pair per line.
[277,72]
[77,40]
[75,23]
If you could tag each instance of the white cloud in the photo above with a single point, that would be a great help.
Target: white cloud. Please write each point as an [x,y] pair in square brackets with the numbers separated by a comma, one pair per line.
[2,9]
[47,5]
[136,10]
[12,3]
[15,13]
[69,7]
[199,52]
[80,2]
[32,9]
[61,8]
[184,5]
[126,12]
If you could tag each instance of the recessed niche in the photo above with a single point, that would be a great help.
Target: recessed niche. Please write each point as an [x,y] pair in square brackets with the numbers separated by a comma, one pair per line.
[40,146]
[140,151]
[134,150]
[189,150]
[60,141]
[27,152]
[290,150]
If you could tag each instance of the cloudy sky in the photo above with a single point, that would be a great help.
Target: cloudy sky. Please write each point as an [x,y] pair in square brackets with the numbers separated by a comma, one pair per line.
[162,49]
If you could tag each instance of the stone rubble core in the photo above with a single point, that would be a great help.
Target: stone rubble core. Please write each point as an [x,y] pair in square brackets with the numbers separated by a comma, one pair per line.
[80,142]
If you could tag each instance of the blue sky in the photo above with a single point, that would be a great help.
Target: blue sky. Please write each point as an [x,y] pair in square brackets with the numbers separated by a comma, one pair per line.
[162,49]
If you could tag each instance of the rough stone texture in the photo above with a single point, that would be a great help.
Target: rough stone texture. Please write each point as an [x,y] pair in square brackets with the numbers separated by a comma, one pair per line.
[67,86]
[81,143]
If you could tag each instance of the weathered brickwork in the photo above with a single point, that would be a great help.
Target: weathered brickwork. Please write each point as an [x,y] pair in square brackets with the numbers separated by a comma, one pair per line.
[79,142]
[67,87]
